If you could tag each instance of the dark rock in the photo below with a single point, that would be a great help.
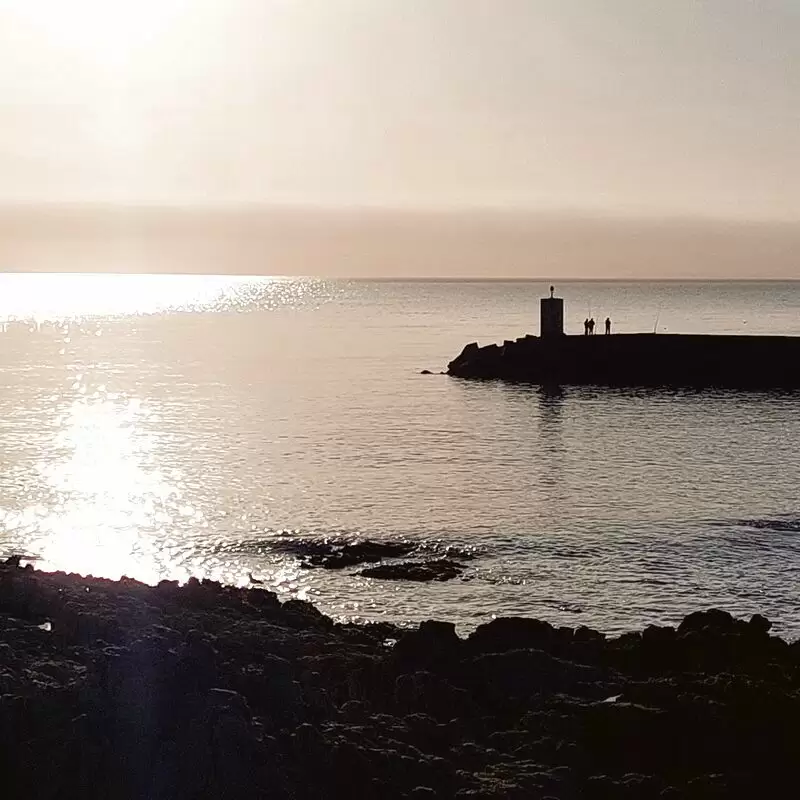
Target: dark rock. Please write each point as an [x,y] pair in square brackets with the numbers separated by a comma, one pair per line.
[337,554]
[523,673]
[711,621]
[512,633]
[760,624]
[168,588]
[440,569]
[301,612]
[432,644]
[203,691]
[584,634]
[263,599]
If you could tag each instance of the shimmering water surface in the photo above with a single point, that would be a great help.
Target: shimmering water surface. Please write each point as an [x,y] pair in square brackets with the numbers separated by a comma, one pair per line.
[175,426]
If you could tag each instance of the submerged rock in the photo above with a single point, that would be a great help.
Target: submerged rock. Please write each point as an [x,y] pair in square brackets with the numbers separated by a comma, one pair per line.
[440,569]
[338,553]
[343,553]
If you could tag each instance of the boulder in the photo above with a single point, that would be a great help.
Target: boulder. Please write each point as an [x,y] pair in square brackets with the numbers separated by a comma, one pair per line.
[512,633]
[759,624]
[433,644]
[713,621]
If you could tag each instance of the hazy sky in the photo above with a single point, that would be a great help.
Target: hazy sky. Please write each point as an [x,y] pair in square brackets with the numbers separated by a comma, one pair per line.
[676,105]
[679,107]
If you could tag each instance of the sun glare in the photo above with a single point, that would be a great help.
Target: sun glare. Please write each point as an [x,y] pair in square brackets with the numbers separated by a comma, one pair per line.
[60,297]
[109,492]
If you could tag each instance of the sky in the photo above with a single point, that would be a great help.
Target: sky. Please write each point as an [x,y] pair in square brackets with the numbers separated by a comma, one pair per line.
[662,110]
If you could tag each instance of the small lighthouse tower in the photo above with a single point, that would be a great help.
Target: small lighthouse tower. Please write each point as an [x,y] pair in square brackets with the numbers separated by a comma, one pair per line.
[551,316]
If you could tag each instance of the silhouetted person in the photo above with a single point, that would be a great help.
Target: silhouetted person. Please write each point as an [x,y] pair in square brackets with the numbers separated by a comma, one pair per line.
[591,326]
[608,325]
[586,327]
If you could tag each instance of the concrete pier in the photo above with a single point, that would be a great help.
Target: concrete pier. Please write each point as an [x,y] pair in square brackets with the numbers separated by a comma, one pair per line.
[647,359]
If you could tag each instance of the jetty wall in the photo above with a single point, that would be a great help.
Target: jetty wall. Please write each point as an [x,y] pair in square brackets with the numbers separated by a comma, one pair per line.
[745,362]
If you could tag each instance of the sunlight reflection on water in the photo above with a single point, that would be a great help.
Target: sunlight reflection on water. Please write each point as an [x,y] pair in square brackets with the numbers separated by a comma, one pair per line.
[108,493]
[59,297]
[109,506]
[103,492]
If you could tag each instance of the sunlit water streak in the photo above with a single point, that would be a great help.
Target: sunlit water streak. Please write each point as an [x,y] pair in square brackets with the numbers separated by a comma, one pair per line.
[60,298]
[163,426]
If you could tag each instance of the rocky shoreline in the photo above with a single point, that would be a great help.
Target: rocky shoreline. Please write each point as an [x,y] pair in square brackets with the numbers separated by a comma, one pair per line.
[122,690]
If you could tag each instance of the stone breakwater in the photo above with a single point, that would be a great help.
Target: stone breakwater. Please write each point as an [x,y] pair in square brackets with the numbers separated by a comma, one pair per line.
[121,690]
[680,360]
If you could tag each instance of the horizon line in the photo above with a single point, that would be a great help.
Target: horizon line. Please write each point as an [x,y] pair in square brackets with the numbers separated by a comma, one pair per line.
[399,279]
[490,210]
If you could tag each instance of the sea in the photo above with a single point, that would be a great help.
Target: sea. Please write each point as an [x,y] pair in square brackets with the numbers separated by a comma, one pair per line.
[163,427]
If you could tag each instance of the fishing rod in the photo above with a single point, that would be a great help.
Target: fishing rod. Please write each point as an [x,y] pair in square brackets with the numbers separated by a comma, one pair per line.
[658,316]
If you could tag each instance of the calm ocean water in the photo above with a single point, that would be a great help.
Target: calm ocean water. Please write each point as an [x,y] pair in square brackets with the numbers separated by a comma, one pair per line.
[163,427]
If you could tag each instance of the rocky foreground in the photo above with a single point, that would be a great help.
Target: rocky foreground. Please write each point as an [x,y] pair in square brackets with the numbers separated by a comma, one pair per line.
[120,690]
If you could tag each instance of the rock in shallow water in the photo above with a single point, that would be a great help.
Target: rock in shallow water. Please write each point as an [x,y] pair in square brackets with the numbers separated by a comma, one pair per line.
[440,569]
[337,554]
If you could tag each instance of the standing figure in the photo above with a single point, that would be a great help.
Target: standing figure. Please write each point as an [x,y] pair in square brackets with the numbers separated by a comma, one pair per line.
[586,327]
[608,325]
[591,326]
